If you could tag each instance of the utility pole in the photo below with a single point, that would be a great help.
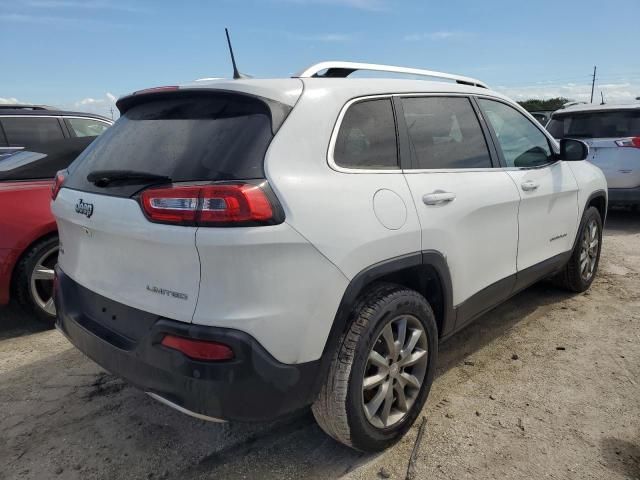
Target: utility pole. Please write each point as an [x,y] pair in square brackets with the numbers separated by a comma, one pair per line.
[593,83]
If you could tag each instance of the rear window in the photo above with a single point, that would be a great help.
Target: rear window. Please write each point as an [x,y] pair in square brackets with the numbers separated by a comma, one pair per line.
[611,124]
[187,138]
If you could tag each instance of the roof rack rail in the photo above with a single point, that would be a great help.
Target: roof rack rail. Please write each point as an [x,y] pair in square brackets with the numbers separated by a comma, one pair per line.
[19,106]
[344,69]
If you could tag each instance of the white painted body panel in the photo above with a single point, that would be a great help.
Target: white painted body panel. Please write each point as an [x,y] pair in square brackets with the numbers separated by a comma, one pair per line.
[117,252]
[547,218]
[269,282]
[477,232]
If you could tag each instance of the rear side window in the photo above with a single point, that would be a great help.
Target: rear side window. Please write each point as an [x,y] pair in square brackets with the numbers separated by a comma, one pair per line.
[445,133]
[28,131]
[86,127]
[596,124]
[186,138]
[367,136]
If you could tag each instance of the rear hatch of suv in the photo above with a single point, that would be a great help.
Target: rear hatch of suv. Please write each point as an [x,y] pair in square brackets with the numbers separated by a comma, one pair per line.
[130,205]
[613,137]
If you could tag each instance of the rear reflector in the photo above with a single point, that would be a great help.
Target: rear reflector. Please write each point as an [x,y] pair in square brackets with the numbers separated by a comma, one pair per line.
[633,142]
[57,184]
[198,349]
[208,205]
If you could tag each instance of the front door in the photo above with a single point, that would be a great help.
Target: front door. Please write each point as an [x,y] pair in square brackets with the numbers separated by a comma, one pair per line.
[547,220]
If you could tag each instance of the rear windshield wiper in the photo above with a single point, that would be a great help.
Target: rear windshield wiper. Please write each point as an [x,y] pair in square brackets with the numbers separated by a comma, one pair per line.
[105,178]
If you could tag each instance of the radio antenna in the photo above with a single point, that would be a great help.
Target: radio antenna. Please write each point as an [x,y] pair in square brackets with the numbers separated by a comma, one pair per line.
[236,74]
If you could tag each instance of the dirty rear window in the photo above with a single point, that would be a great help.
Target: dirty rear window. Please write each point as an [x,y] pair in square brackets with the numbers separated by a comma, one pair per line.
[199,137]
[610,124]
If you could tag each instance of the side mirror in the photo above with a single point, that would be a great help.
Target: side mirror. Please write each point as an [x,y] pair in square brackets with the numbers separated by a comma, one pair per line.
[573,150]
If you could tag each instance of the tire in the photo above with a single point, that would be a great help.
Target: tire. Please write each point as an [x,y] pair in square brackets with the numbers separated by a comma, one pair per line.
[33,290]
[340,407]
[572,277]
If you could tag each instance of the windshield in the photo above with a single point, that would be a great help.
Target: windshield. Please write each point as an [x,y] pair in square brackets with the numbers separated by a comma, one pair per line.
[609,124]
[198,137]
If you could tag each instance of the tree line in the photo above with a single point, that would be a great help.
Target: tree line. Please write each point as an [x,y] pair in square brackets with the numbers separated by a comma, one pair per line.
[533,105]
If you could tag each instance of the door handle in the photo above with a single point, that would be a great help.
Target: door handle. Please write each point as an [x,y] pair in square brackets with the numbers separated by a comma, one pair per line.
[438,197]
[529,185]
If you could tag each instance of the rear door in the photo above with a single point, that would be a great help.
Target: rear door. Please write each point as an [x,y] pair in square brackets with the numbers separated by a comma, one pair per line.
[108,244]
[609,135]
[547,219]
[467,208]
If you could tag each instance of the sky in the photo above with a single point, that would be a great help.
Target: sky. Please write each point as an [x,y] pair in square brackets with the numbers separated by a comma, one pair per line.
[84,54]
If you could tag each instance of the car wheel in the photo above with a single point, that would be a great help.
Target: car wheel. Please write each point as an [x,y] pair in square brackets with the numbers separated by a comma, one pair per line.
[382,371]
[34,280]
[582,267]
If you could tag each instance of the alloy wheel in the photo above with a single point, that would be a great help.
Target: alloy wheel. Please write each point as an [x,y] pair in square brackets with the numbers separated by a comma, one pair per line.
[395,371]
[589,250]
[41,284]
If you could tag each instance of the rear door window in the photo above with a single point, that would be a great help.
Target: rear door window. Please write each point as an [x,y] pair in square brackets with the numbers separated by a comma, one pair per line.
[86,127]
[367,136]
[186,138]
[606,124]
[30,131]
[445,133]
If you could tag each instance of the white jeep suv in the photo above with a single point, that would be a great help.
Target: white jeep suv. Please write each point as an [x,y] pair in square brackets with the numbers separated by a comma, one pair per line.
[242,249]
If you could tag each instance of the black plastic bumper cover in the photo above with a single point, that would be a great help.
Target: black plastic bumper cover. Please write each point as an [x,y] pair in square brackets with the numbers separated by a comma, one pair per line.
[624,196]
[253,386]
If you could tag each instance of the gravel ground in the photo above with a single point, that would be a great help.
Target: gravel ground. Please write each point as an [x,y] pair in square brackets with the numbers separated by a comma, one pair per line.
[545,386]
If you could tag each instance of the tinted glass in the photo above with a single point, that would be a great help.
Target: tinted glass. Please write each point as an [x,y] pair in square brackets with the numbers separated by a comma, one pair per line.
[24,165]
[29,131]
[200,137]
[522,143]
[596,124]
[86,127]
[445,133]
[367,137]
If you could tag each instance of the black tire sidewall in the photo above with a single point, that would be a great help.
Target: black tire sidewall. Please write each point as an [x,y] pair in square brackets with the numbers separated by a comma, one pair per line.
[365,436]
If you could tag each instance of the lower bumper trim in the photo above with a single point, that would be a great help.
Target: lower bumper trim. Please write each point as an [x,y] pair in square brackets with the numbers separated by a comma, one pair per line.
[175,406]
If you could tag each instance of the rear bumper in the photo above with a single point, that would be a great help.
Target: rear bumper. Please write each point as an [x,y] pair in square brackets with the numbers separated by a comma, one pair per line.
[126,342]
[624,196]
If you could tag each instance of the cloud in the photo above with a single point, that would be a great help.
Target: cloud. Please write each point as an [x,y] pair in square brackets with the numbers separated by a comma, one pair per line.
[75,4]
[10,100]
[440,35]
[370,5]
[324,37]
[84,23]
[101,105]
[623,92]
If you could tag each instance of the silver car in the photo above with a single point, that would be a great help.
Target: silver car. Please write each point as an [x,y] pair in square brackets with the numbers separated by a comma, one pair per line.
[613,135]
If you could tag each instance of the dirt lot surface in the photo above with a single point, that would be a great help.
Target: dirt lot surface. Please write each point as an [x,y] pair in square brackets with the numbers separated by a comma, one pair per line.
[545,386]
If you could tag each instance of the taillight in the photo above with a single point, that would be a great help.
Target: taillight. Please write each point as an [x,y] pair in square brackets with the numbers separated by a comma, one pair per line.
[225,204]
[633,142]
[57,184]
[198,349]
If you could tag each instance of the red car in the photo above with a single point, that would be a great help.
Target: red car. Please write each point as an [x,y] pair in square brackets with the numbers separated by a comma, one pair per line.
[35,143]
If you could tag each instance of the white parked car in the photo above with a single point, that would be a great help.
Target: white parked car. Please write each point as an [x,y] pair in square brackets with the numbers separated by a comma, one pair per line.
[242,249]
[613,135]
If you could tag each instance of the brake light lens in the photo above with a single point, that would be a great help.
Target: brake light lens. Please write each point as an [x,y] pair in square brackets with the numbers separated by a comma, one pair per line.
[198,349]
[57,184]
[208,205]
[633,142]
